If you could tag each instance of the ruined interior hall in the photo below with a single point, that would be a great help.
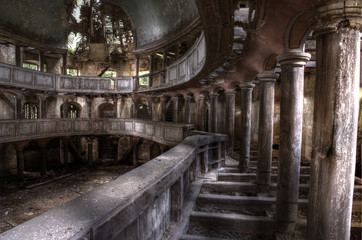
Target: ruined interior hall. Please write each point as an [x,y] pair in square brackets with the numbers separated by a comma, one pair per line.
[180,119]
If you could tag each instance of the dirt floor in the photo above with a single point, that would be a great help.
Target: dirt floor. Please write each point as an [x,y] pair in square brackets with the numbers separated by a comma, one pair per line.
[20,204]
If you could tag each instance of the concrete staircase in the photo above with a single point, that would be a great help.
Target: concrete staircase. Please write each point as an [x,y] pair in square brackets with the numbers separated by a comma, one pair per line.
[228,206]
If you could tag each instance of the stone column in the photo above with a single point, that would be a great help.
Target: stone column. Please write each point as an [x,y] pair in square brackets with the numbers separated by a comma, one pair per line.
[175,109]
[115,107]
[230,119]
[163,108]
[150,82]
[42,106]
[291,104]
[336,28]
[150,108]
[213,112]
[41,61]
[201,112]
[64,67]
[188,109]
[246,101]
[265,136]
[164,65]
[18,108]
[89,107]
[136,71]
[19,56]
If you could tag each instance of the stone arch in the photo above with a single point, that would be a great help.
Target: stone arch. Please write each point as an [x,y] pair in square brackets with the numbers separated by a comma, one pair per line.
[106,110]
[70,110]
[270,63]
[296,33]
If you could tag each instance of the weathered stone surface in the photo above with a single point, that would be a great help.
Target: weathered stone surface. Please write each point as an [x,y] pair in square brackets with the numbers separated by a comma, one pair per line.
[291,104]
[335,119]
[265,138]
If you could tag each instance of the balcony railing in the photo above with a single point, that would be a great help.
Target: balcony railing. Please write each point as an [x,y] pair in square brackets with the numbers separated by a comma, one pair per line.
[140,204]
[162,132]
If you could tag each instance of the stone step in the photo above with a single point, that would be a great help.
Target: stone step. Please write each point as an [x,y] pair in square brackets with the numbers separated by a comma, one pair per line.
[250,202]
[235,169]
[240,177]
[229,187]
[234,222]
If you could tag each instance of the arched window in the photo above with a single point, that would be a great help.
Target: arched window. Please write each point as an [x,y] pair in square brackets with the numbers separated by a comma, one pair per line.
[30,111]
[107,111]
[69,110]
[142,111]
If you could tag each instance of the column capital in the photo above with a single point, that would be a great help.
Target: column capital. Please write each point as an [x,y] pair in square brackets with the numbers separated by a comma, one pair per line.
[267,76]
[201,97]
[336,14]
[213,94]
[246,86]
[296,59]
[230,92]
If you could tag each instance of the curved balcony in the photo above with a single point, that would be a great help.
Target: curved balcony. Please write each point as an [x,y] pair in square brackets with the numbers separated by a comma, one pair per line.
[162,132]
[182,71]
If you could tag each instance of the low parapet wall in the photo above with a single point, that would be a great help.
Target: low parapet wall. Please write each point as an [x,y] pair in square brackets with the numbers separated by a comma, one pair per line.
[162,132]
[140,204]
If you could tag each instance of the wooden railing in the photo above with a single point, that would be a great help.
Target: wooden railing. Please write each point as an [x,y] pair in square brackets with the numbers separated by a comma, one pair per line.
[140,204]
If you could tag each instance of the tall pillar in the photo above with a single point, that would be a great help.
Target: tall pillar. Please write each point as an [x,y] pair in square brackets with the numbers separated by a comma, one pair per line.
[89,107]
[150,108]
[246,101]
[230,119]
[201,112]
[64,67]
[115,107]
[164,65]
[136,71]
[213,112]
[163,108]
[291,104]
[336,28]
[19,56]
[265,137]
[41,61]
[150,82]
[188,109]
[175,109]
[42,106]
[18,108]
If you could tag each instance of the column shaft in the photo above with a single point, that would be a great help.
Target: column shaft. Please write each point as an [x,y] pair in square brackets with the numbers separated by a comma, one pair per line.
[335,119]
[188,109]
[265,138]
[175,109]
[291,104]
[201,113]
[246,97]
[230,119]
[213,112]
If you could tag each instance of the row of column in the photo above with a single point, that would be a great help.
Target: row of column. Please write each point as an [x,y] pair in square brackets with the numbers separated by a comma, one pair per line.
[335,126]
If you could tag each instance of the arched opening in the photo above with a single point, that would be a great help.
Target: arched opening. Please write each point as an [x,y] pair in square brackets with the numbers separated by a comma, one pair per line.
[107,111]
[70,110]
[32,157]
[142,111]
[31,111]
